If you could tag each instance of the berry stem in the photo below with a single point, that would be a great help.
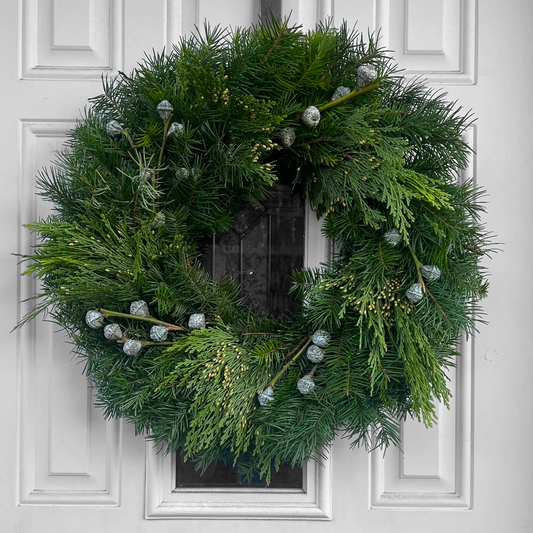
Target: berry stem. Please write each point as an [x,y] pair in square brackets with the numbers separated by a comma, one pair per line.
[418,264]
[349,96]
[149,319]
[165,131]
[289,363]
[314,369]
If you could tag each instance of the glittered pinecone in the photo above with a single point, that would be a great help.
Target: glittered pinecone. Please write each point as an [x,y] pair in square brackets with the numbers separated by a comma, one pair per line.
[197,321]
[306,384]
[340,92]
[315,354]
[182,173]
[430,272]
[266,396]
[113,128]
[158,221]
[158,333]
[139,308]
[165,109]
[321,338]
[132,347]
[113,332]
[311,116]
[94,319]
[414,293]
[393,237]
[175,129]
[287,136]
[366,74]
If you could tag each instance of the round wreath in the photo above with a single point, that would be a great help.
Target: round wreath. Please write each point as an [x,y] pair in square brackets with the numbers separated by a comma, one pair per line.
[169,154]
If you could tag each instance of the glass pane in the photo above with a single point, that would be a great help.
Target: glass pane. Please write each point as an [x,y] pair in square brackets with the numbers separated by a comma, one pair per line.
[223,476]
[260,251]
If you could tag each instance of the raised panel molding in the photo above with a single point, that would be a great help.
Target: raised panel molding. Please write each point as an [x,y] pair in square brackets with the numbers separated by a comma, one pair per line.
[181,18]
[229,12]
[61,39]
[433,38]
[469,136]
[164,501]
[439,477]
[68,453]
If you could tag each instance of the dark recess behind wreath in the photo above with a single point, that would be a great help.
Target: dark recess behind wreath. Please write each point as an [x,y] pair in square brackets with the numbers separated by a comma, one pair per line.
[261,250]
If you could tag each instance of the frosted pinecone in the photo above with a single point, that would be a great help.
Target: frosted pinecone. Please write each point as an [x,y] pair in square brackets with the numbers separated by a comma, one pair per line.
[414,293]
[266,396]
[306,384]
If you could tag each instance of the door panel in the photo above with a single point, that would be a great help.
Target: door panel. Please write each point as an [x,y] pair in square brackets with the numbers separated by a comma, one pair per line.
[64,468]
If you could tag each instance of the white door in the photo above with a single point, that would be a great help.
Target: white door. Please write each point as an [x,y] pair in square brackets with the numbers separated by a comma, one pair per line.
[64,469]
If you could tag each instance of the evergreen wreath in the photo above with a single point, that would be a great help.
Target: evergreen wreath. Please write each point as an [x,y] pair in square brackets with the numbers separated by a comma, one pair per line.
[170,153]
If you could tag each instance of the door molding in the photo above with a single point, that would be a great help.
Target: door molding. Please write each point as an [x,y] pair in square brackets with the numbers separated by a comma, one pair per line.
[449,486]
[164,501]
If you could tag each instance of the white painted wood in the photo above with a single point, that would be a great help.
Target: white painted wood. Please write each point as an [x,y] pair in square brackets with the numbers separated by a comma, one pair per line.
[65,469]
[71,23]
[436,39]
[304,12]
[228,13]
[424,22]
[165,501]
[317,248]
[181,18]
[434,468]
[69,455]
[71,39]
[363,15]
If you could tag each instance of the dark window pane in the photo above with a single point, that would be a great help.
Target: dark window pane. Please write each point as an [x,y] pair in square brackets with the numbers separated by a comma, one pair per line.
[260,251]
[219,475]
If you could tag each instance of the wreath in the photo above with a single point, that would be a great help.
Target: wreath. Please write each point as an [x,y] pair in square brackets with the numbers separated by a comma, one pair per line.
[169,154]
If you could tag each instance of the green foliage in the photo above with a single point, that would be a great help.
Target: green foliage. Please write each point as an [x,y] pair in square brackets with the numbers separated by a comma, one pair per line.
[132,208]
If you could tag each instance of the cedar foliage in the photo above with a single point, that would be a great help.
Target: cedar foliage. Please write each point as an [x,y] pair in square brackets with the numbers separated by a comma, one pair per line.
[131,209]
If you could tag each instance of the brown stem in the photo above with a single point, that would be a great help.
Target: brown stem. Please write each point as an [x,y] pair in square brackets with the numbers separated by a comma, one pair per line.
[455,230]
[348,381]
[276,42]
[314,141]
